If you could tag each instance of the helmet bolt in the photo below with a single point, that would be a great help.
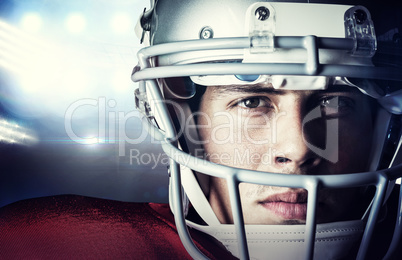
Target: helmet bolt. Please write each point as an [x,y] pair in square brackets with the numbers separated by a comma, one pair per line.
[206,33]
[360,16]
[262,13]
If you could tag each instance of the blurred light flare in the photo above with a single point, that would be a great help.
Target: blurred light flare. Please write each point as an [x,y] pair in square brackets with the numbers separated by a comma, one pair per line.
[58,74]
[93,141]
[12,133]
[75,23]
[31,22]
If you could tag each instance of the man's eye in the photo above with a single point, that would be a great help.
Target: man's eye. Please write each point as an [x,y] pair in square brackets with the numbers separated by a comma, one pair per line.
[336,106]
[253,102]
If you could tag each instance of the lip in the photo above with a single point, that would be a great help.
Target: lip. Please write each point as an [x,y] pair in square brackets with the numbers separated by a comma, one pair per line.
[288,205]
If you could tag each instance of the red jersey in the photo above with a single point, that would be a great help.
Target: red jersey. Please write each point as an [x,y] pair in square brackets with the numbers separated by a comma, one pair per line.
[77,227]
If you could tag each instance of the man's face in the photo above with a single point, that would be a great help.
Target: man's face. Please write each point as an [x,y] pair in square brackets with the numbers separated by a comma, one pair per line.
[259,128]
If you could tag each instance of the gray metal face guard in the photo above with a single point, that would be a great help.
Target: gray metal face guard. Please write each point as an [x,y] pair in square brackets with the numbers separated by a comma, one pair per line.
[311,67]
[167,136]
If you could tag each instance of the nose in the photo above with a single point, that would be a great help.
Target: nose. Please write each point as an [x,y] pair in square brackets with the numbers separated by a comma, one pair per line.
[292,152]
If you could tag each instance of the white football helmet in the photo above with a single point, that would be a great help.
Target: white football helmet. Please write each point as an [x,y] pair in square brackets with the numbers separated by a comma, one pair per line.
[194,44]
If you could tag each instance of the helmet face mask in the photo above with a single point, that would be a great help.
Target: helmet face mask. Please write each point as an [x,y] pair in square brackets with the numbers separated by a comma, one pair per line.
[226,81]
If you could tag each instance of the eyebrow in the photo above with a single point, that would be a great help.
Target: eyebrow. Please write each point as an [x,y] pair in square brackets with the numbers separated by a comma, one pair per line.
[222,91]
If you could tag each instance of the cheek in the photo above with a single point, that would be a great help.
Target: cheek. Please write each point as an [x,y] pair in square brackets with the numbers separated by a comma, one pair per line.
[219,200]
[355,141]
[235,141]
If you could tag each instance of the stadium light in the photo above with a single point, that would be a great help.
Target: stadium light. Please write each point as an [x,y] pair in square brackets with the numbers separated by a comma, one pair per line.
[31,22]
[75,23]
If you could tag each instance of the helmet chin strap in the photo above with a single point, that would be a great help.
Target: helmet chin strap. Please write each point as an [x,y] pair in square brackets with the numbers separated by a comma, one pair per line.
[333,240]
[196,196]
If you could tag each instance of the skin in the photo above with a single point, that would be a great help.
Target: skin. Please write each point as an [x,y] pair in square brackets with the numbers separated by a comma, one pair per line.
[258,128]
